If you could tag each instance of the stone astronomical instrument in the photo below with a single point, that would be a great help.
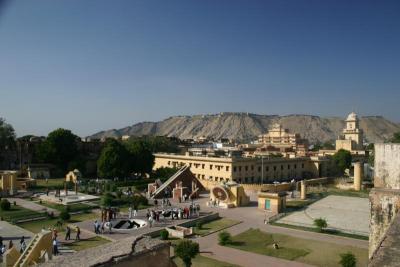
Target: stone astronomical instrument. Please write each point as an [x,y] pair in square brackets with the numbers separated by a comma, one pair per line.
[220,193]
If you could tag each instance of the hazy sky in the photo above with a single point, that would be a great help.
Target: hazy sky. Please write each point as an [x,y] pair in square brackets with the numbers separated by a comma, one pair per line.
[91,65]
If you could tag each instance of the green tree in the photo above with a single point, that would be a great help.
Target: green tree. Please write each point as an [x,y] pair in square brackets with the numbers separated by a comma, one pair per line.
[163,173]
[224,238]
[7,135]
[321,224]
[348,260]
[187,250]
[141,156]
[395,138]
[342,160]
[114,160]
[59,148]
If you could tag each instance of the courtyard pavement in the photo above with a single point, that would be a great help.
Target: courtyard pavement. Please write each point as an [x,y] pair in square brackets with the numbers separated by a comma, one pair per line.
[12,232]
[347,214]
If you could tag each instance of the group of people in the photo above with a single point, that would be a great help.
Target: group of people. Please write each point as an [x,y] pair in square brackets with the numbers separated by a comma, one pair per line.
[174,213]
[3,248]
[100,227]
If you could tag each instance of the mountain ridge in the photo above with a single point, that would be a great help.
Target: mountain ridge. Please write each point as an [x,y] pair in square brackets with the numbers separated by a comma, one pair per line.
[242,126]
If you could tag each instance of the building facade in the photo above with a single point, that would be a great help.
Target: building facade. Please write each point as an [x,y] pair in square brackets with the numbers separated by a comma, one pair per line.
[277,136]
[245,169]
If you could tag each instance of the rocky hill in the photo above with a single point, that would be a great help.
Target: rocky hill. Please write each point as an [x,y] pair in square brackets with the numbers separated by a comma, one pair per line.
[247,126]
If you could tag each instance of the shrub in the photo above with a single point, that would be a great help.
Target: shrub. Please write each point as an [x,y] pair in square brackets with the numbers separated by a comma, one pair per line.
[164,234]
[64,215]
[224,238]
[320,224]
[5,204]
[187,250]
[348,260]
[199,225]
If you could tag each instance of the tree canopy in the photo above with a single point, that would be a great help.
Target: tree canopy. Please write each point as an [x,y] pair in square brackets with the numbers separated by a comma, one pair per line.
[7,135]
[60,148]
[187,250]
[142,158]
[114,160]
[342,160]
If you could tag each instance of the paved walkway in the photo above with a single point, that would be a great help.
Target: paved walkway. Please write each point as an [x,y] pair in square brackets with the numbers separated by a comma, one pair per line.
[33,205]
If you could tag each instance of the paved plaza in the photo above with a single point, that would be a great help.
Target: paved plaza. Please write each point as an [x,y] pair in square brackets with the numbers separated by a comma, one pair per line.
[347,214]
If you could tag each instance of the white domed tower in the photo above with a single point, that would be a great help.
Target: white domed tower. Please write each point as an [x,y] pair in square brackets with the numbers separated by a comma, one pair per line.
[352,133]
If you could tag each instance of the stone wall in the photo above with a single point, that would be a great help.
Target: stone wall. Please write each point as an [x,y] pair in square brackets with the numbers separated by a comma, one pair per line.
[385,197]
[387,166]
[131,251]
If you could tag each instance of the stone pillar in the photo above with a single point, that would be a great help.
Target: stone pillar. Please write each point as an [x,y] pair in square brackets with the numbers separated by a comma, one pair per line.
[303,191]
[358,175]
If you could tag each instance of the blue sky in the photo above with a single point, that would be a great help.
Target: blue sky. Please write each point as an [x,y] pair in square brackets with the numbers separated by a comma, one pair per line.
[90,65]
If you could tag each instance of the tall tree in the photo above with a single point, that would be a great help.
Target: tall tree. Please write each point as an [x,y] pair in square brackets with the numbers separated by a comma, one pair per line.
[342,160]
[114,160]
[59,148]
[141,156]
[7,135]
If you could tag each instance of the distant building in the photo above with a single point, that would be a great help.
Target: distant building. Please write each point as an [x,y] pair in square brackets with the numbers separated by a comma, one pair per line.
[277,136]
[244,169]
[352,137]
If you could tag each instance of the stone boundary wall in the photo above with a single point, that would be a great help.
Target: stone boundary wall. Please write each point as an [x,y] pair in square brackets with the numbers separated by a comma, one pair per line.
[203,219]
[274,187]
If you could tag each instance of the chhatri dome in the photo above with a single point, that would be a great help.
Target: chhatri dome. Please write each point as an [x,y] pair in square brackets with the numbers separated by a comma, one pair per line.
[352,117]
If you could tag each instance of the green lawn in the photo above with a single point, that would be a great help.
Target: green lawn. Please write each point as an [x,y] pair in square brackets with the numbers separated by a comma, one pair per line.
[201,261]
[214,226]
[87,243]
[36,226]
[291,248]
[17,213]
[326,231]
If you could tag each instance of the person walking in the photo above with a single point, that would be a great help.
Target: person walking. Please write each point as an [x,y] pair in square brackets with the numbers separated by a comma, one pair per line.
[22,245]
[10,244]
[68,233]
[102,227]
[109,227]
[78,233]
[130,212]
[55,247]
[95,226]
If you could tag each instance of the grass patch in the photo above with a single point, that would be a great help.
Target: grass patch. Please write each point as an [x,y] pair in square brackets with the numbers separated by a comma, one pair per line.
[214,226]
[87,243]
[292,248]
[17,213]
[36,226]
[326,231]
[256,241]
[201,261]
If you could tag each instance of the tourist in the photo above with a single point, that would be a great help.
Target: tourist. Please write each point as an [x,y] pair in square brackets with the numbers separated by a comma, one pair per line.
[78,233]
[130,212]
[3,249]
[68,233]
[109,227]
[134,212]
[1,241]
[151,221]
[155,202]
[96,227]
[55,247]
[102,227]
[10,244]
[22,245]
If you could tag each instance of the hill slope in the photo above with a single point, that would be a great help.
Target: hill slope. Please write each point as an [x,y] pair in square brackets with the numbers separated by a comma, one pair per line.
[246,126]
